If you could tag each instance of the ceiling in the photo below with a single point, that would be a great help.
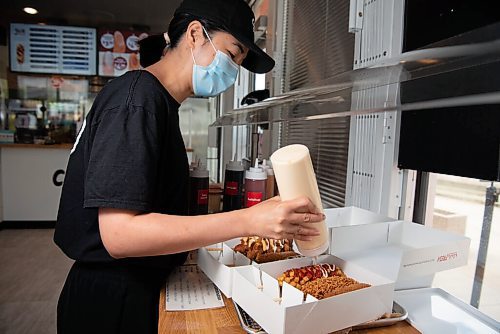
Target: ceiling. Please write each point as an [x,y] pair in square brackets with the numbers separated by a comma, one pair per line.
[148,15]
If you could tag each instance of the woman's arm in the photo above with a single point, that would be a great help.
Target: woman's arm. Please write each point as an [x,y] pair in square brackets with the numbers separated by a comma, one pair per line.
[130,234]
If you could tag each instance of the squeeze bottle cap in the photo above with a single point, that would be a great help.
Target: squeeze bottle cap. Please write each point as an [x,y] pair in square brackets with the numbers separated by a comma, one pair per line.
[200,172]
[268,167]
[256,173]
[235,166]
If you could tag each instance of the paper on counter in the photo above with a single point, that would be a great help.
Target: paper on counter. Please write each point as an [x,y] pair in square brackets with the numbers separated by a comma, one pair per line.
[192,258]
[188,288]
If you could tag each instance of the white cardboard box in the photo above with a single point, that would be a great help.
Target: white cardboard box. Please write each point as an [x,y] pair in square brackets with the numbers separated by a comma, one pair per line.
[351,216]
[219,265]
[416,252]
[256,290]
[219,261]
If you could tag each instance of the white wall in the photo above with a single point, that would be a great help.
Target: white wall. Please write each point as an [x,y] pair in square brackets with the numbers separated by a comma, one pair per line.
[27,182]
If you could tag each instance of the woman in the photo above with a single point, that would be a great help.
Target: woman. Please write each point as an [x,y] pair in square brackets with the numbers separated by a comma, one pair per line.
[123,205]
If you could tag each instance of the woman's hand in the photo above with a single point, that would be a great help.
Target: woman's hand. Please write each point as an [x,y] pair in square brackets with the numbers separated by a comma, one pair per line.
[276,219]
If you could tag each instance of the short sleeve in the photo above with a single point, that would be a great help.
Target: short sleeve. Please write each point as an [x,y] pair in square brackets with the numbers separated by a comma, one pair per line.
[123,161]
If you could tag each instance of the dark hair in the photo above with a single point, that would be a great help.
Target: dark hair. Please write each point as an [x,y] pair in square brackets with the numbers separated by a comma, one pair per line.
[151,47]
[179,24]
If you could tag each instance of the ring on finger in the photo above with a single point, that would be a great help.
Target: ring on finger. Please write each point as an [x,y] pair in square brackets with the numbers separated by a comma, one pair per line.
[307,217]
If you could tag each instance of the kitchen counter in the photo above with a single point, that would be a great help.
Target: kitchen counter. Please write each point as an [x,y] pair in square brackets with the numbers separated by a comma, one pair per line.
[225,321]
[31,178]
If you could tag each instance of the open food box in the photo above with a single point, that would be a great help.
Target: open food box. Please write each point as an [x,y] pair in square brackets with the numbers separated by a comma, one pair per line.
[352,215]
[219,261]
[411,254]
[285,310]
[415,252]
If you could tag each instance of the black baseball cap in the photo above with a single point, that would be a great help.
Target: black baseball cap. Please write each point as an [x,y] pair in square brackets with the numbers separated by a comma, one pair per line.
[237,18]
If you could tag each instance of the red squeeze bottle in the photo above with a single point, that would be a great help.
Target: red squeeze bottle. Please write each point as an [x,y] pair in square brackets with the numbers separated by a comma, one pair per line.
[255,185]
[198,191]
[233,186]
[271,180]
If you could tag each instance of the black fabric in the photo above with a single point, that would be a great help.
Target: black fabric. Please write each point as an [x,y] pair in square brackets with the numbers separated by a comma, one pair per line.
[129,155]
[237,19]
[110,299]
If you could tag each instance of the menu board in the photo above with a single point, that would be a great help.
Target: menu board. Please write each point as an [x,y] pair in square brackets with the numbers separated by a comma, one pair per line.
[118,51]
[52,49]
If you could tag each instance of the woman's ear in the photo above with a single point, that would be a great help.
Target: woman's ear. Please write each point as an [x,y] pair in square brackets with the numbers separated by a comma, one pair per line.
[194,34]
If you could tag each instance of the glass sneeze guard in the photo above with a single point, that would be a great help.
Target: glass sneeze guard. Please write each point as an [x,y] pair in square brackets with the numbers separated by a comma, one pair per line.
[439,77]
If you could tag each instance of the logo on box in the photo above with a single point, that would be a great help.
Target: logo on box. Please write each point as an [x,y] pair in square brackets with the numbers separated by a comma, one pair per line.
[449,256]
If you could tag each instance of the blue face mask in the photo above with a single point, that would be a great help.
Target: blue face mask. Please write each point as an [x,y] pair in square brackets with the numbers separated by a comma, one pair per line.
[215,78]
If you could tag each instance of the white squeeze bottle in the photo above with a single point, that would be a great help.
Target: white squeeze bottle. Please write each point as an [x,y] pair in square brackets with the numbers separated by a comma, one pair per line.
[295,177]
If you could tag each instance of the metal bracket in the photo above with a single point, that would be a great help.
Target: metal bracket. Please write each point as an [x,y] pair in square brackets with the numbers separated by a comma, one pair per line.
[388,128]
[356,14]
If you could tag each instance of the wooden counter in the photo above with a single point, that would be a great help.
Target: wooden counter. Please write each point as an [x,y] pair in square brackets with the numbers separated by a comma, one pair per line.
[225,321]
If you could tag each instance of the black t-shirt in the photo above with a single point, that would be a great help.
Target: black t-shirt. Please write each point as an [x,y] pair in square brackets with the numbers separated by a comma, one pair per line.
[129,155]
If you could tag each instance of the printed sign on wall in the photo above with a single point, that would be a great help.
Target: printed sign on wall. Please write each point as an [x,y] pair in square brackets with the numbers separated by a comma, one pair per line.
[52,49]
[118,51]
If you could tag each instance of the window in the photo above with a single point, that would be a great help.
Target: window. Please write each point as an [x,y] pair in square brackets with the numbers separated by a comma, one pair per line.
[457,204]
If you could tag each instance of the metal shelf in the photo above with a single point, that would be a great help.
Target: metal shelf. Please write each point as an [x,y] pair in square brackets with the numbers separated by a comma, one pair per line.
[447,76]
